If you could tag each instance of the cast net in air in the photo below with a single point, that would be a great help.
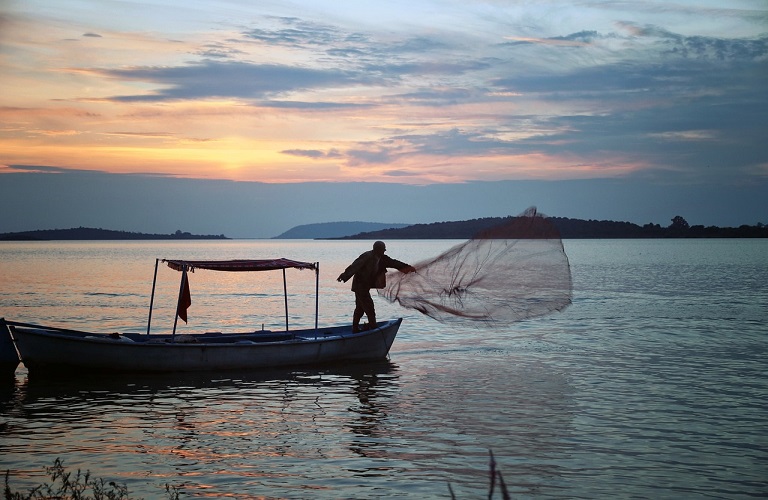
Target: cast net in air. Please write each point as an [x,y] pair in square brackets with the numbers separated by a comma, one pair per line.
[510,272]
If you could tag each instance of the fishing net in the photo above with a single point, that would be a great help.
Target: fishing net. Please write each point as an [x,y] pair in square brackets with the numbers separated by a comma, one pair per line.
[510,272]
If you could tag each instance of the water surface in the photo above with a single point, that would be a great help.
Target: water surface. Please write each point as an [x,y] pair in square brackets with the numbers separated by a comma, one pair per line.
[651,385]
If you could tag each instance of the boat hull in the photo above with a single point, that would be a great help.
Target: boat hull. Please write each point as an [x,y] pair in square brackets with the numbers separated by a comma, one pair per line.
[46,349]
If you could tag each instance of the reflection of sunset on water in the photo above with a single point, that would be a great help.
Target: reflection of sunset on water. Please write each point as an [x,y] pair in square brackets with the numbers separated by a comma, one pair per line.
[568,402]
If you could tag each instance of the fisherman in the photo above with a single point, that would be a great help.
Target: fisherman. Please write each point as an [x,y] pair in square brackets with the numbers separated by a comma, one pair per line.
[368,271]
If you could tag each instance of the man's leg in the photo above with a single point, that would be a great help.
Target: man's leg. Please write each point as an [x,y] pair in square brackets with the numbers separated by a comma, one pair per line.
[370,310]
[359,311]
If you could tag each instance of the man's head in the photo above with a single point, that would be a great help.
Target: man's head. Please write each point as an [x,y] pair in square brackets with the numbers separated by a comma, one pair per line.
[379,248]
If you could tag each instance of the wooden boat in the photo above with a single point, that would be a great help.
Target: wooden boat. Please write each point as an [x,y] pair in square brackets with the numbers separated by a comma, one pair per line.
[45,348]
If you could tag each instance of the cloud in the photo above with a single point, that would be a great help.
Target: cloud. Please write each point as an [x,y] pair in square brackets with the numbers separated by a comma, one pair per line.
[298,33]
[311,105]
[399,148]
[425,68]
[355,61]
[399,173]
[438,96]
[313,153]
[580,39]
[229,79]
[333,58]
[603,88]
[41,169]
[666,89]
[702,47]
[306,35]
[453,142]
[219,50]
[378,155]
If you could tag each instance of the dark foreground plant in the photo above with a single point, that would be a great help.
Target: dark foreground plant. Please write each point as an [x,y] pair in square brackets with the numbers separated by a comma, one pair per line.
[493,475]
[64,486]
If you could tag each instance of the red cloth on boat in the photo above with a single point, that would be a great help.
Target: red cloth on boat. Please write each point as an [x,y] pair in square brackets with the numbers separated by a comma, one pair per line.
[185,300]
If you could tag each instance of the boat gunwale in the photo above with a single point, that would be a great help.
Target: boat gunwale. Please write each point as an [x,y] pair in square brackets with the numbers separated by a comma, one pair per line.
[167,340]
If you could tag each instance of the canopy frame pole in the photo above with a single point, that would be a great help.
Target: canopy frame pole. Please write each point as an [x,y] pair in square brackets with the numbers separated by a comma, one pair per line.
[317,294]
[285,294]
[178,301]
[152,297]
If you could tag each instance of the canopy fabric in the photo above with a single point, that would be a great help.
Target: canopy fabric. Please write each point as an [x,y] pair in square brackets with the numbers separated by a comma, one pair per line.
[239,265]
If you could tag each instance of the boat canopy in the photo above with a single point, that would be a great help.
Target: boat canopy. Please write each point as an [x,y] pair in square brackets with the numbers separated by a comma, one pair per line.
[239,265]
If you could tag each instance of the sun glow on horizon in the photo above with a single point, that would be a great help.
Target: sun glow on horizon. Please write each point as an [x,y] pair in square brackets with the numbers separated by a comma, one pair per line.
[289,94]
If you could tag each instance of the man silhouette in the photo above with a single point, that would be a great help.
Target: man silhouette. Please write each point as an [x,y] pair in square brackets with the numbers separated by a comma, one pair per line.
[369,271]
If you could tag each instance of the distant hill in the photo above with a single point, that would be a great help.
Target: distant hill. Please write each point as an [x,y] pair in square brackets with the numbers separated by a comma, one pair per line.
[569,229]
[435,230]
[88,233]
[331,230]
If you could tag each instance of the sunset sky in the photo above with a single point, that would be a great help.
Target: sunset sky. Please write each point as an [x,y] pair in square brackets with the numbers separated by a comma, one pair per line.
[427,94]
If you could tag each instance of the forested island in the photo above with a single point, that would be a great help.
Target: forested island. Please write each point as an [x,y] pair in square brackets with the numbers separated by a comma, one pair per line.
[569,229]
[89,233]
[328,230]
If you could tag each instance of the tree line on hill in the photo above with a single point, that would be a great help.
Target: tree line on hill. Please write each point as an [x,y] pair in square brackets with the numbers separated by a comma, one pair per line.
[89,233]
[570,229]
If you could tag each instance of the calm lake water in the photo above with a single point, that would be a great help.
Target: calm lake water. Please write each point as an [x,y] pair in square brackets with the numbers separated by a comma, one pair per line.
[653,384]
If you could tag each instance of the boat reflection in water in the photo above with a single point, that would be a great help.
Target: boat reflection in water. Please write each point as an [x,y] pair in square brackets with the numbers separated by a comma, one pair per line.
[203,429]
